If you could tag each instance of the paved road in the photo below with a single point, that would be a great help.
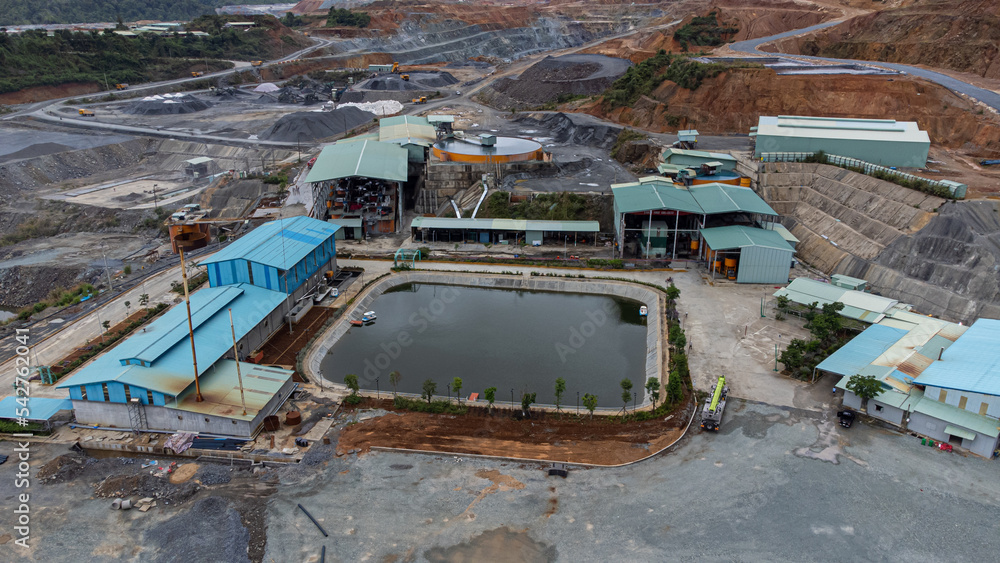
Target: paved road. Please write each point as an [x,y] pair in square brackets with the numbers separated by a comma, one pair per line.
[988,97]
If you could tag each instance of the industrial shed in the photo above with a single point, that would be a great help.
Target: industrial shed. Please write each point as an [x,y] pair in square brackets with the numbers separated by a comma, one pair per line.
[654,218]
[940,379]
[747,254]
[885,142]
[695,159]
[362,180]
[149,382]
[504,231]
[415,134]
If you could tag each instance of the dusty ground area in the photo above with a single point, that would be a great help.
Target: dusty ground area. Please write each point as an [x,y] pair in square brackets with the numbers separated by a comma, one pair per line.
[544,436]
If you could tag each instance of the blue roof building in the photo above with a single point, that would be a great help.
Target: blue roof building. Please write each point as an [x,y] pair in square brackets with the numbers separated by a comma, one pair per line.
[939,379]
[148,380]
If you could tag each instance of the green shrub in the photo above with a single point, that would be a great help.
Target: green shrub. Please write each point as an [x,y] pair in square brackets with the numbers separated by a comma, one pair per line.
[434,407]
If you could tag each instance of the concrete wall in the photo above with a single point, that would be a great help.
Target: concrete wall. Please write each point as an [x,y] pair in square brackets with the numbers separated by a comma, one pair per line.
[973,401]
[654,300]
[852,401]
[887,413]
[933,428]
[446,180]
[171,419]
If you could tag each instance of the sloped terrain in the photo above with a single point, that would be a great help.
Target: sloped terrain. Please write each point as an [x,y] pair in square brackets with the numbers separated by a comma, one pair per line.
[734,100]
[554,77]
[962,36]
[940,257]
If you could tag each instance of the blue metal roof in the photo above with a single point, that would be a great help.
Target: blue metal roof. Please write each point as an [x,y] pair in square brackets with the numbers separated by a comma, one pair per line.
[971,364]
[172,370]
[280,244]
[862,350]
[39,408]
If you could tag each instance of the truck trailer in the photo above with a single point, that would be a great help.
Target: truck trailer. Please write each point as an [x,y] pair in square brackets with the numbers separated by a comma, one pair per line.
[711,415]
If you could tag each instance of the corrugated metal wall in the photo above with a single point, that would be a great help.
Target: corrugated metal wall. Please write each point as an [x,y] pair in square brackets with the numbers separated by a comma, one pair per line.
[764,265]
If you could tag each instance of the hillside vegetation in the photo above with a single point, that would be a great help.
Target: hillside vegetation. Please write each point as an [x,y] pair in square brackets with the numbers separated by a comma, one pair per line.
[34,59]
[19,12]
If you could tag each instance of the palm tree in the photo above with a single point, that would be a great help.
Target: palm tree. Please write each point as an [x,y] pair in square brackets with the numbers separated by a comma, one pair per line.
[394,378]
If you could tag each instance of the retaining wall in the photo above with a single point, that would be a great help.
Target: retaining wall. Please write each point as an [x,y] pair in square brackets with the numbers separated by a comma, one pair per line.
[654,300]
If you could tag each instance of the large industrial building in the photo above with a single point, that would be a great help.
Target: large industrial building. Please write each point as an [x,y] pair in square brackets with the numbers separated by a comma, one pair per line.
[879,141]
[149,381]
[728,226]
[362,180]
[939,379]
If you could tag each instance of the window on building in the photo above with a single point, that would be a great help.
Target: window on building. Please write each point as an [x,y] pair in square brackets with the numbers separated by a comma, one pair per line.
[878,408]
[149,397]
[128,394]
[83,392]
[982,408]
[179,417]
[943,396]
[962,402]
[107,396]
[207,420]
[250,272]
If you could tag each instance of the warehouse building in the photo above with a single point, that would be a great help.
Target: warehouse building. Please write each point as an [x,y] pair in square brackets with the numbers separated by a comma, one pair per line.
[656,219]
[361,180]
[879,141]
[695,159]
[504,231]
[940,379]
[858,305]
[149,381]
[415,134]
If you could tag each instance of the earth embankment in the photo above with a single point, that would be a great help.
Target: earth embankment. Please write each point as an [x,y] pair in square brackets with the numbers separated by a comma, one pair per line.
[963,36]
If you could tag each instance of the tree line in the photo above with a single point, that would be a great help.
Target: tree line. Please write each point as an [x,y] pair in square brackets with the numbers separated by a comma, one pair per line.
[18,12]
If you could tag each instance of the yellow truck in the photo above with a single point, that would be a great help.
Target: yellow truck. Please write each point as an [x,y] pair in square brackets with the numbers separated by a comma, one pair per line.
[420,100]
[256,63]
[122,86]
[196,74]
[86,113]
[405,76]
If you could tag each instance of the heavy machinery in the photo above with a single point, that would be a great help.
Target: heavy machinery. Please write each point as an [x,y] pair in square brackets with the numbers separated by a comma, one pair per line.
[420,100]
[196,74]
[711,415]
[256,63]
[395,68]
[405,77]
[122,86]
[86,112]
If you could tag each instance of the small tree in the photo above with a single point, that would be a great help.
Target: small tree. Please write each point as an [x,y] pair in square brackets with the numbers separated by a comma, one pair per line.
[127,270]
[394,377]
[675,387]
[429,388]
[864,386]
[673,293]
[456,386]
[653,388]
[590,402]
[526,400]
[626,393]
[560,389]
[351,381]
[127,305]
[106,325]
[144,300]
[491,395]
[676,337]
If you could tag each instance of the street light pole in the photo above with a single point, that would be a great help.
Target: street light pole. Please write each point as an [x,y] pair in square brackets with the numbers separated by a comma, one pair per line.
[106,271]
[577,403]
[512,399]
[378,394]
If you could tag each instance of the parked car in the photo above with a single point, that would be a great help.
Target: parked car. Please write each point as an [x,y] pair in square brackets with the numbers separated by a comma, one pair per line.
[846,418]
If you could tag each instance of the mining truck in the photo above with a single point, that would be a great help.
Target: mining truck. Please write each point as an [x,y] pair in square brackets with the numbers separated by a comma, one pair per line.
[711,415]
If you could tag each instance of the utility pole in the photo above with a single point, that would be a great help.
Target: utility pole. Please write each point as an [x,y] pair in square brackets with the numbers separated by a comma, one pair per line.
[155,206]
[106,271]
[236,355]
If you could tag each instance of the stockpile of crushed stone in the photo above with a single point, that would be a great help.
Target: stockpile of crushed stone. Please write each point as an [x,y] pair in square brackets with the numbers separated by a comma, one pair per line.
[312,125]
[419,80]
[546,80]
[168,105]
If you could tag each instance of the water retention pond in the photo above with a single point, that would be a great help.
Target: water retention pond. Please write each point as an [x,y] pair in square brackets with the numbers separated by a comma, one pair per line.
[508,339]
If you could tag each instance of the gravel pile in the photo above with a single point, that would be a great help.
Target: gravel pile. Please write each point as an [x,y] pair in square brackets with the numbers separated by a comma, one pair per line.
[212,474]
[310,126]
[546,80]
[168,105]
[210,530]
[144,485]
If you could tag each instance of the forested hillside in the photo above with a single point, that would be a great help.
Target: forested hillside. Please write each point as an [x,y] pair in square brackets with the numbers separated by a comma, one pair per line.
[33,58]
[19,12]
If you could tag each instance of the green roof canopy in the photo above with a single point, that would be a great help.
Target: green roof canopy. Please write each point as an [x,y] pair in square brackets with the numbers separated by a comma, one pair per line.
[406,129]
[369,159]
[960,432]
[738,236]
[708,199]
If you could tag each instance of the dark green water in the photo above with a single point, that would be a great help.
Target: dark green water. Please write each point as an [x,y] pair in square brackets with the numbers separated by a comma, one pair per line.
[518,340]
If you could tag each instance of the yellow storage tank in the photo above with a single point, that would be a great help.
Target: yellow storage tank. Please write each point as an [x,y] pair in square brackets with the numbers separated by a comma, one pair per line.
[731,268]
[694,245]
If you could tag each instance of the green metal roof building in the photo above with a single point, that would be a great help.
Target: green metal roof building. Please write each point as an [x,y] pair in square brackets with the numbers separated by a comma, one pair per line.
[879,141]
[655,218]
[762,255]
[415,134]
[368,159]
[686,158]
